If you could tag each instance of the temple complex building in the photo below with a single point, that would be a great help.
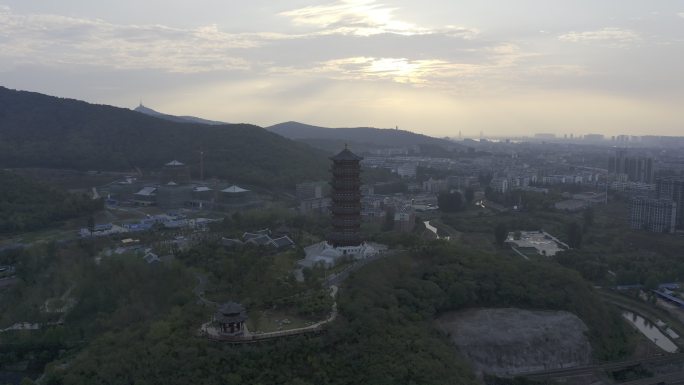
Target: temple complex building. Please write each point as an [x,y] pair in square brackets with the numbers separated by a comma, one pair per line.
[344,242]
[175,172]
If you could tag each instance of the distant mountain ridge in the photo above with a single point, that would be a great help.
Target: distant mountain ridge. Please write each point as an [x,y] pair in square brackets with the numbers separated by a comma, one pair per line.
[324,137]
[37,130]
[174,118]
[376,136]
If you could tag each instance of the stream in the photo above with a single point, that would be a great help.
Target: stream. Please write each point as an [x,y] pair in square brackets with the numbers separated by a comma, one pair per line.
[650,331]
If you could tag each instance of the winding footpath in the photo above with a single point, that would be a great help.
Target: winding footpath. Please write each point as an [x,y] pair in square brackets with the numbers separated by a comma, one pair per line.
[331,282]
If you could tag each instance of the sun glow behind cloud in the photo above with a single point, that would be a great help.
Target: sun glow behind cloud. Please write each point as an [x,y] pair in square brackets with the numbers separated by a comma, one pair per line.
[390,59]
[400,70]
[357,17]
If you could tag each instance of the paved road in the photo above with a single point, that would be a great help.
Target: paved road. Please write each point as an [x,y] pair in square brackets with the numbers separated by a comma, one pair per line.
[331,282]
[9,281]
[585,370]
[200,288]
[251,338]
[669,379]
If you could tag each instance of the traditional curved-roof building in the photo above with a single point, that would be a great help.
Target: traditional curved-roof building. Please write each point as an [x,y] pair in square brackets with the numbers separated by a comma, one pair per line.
[230,319]
[176,172]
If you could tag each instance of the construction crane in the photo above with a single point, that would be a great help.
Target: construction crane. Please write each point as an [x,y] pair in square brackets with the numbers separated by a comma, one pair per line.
[201,153]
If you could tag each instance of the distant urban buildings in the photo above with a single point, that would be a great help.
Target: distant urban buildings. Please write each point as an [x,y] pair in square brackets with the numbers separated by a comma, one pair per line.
[663,213]
[312,198]
[405,219]
[655,215]
[672,188]
[407,170]
[463,182]
[594,137]
[310,190]
[499,185]
[630,168]
[435,186]
[581,201]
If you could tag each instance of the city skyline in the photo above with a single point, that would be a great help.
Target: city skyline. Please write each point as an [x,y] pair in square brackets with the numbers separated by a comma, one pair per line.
[500,68]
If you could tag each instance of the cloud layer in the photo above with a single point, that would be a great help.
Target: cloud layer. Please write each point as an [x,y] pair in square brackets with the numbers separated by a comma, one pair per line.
[616,36]
[321,50]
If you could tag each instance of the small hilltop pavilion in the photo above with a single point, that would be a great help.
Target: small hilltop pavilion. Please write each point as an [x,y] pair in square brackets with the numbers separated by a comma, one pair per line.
[229,320]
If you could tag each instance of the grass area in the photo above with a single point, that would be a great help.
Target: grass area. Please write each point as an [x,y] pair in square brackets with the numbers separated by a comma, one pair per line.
[55,234]
[446,230]
[530,252]
[121,214]
[284,263]
[480,221]
[481,241]
[339,267]
[266,321]
[279,265]
[69,179]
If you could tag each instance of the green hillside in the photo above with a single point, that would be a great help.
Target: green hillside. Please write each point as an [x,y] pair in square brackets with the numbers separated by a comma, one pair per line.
[27,205]
[43,131]
[368,136]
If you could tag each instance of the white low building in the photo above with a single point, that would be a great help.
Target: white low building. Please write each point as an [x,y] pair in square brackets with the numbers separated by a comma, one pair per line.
[324,254]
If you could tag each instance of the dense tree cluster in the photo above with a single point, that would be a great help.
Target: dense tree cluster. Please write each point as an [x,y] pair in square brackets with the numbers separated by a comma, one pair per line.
[475,279]
[450,202]
[361,136]
[27,205]
[500,234]
[258,278]
[612,253]
[384,335]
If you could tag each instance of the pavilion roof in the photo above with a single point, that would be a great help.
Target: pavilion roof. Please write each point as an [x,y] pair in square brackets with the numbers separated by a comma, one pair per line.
[234,190]
[231,312]
[346,155]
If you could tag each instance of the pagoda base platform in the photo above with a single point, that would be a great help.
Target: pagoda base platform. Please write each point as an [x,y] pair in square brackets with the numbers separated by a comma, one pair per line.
[326,255]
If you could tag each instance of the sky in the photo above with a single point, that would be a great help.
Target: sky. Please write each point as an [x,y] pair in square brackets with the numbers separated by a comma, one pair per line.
[438,67]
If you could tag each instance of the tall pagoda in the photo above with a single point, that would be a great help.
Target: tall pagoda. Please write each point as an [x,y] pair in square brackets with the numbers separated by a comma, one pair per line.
[346,200]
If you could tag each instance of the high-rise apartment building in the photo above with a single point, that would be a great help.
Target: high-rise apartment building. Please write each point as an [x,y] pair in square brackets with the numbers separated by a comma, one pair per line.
[655,215]
[672,188]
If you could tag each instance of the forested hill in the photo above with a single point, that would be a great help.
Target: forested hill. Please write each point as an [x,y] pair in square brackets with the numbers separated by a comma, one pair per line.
[43,131]
[178,119]
[28,205]
[368,135]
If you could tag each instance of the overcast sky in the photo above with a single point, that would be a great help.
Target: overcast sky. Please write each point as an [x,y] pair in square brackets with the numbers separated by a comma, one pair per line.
[433,66]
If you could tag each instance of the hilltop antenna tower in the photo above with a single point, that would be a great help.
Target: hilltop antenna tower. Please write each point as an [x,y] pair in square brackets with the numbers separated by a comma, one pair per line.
[201,151]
